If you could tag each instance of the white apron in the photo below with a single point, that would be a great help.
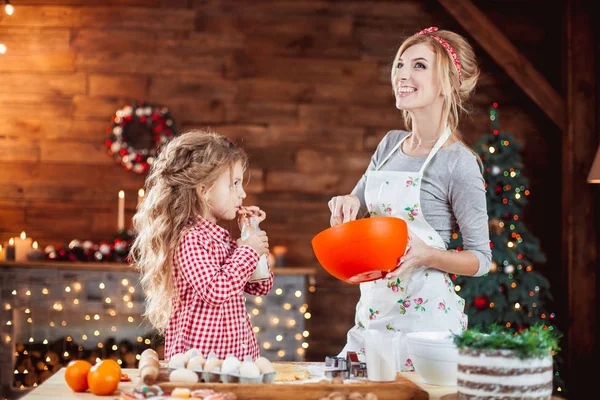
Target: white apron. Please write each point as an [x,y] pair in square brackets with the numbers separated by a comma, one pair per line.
[421,299]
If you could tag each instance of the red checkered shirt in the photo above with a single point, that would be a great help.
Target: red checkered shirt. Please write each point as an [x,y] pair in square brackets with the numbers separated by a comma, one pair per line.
[211,275]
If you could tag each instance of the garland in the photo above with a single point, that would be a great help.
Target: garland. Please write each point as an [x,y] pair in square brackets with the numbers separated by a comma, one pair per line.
[535,341]
[136,134]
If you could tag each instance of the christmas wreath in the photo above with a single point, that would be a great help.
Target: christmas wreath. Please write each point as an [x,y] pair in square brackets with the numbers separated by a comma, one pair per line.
[136,134]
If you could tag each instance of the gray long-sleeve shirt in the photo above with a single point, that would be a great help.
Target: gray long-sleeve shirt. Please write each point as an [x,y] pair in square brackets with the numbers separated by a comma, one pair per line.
[452,193]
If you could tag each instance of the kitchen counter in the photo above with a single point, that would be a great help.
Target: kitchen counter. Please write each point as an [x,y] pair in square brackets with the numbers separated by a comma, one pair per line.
[55,388]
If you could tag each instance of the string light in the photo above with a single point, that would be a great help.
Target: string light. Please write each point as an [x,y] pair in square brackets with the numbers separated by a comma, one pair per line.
[288,342]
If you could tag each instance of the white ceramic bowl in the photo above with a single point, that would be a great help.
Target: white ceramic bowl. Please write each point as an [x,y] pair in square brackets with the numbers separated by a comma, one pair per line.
[434,356]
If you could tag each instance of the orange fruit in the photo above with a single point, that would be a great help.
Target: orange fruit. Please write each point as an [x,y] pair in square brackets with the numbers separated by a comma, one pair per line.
[113,364]
[104,378]
[76,375]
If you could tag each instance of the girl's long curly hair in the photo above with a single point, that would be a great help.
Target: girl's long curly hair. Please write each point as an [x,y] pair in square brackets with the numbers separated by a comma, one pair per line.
[192,159]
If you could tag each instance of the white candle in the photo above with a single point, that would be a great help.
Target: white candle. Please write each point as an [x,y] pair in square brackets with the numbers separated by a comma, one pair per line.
[121,216]
[22,247]
[141,194]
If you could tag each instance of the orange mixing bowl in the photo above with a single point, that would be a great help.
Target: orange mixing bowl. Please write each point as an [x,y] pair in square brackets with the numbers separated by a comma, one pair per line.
[362,250]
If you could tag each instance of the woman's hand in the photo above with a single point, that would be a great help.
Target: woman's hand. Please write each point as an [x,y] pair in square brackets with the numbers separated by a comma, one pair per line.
[343,209]
[253,211]
[417,254]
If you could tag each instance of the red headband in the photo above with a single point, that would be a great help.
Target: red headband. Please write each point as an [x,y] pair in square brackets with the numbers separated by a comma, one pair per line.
[446,46]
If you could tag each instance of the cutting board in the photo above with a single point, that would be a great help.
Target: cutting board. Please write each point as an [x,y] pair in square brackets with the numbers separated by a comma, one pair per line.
[401,389]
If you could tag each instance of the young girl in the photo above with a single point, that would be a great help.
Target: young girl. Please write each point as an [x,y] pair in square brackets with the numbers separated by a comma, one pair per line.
[430,179]
[194,273]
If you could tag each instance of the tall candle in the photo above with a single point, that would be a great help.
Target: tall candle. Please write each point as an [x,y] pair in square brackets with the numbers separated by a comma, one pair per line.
[121,212]
[2,253]
[141,194]
[10,250]
[22,247]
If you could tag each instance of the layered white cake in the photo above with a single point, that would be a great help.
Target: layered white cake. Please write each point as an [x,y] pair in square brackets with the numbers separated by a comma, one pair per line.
[501,374]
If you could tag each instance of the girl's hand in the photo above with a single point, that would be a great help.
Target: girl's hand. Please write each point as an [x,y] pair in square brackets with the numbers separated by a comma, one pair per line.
[417,254]
[259,241]
[253,211]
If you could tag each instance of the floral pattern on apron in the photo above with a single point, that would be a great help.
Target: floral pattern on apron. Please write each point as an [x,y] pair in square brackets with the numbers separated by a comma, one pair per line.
[419,299]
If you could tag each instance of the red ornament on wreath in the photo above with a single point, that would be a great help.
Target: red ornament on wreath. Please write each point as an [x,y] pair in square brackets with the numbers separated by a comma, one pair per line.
[136,134]
[481,302]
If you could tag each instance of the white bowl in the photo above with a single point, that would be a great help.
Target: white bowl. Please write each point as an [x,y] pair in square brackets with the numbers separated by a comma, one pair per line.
[434,356]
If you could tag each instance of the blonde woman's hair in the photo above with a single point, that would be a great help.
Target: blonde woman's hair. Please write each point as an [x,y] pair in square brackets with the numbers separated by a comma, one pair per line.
[192,159]
[455,92]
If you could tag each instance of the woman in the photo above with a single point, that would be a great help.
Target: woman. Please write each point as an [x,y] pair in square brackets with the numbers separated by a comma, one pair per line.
[433,181]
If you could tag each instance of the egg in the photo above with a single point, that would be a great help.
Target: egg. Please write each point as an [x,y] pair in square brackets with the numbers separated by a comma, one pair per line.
[177,361]
[196,362]
[212,364]
[264,365]
[183,375]
[191,353]
[249,369]
[231,365]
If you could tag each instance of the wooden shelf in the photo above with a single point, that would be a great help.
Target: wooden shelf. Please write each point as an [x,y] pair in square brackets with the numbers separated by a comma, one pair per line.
[119,267]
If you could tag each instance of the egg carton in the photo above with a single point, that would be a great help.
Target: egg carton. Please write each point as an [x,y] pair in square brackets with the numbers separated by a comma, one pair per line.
[219,377]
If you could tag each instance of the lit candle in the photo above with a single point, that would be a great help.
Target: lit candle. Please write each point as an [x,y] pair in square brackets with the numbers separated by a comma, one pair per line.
[141,194]
[2,253]
[10,250]
[22,247]
[35,254]
[121,214]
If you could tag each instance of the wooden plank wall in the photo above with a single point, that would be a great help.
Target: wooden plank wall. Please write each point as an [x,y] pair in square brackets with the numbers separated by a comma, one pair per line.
[304,85]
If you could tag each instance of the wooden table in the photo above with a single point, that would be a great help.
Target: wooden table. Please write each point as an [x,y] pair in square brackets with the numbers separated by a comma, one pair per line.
[55,388]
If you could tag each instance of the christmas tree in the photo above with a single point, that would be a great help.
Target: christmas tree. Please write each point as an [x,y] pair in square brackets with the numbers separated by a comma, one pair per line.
[513,293]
